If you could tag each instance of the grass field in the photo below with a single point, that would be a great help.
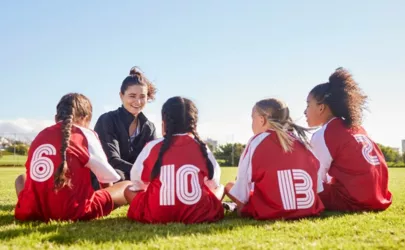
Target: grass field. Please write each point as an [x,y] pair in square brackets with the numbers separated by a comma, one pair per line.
[384,230]
[12,160]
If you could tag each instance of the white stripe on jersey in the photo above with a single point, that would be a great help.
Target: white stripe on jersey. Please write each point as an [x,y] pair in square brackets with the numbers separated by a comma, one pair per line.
[98,162]
[166,193]
[286,187]
[243,184]
[321,152]
[137,168]
[216,180]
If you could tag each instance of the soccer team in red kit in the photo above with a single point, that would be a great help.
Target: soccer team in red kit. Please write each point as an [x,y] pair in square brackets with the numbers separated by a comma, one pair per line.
[75,173]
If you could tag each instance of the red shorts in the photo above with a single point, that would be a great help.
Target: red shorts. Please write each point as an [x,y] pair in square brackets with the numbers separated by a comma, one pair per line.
[137,207]
[144,209]
[335,198]
[100,205]
[29,208]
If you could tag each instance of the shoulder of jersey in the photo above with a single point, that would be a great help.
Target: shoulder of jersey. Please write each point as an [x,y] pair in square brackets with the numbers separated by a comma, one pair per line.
[48,129]
[153,143]
[257,139]
[86,130]
[318,133]
[322,129]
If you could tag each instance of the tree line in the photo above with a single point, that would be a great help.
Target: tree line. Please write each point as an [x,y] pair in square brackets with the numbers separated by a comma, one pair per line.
[229,154]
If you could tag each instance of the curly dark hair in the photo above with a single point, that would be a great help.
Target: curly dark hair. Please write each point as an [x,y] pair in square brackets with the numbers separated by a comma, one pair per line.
[343,96]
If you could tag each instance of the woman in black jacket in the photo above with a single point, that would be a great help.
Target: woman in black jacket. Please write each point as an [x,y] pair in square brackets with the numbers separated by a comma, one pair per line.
[125,131]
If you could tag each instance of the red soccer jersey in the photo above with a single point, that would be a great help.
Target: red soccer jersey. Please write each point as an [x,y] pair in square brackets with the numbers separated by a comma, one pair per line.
[181,193]
[273,184]
[39,201]
[353,169]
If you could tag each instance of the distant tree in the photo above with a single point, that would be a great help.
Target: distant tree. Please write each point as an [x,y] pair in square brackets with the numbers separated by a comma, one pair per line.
[229,153]
[18,142]
[19,149]
[390,154]
[211,147]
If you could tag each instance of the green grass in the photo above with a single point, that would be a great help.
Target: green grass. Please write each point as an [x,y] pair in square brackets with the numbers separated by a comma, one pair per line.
[13,160]
[384,230]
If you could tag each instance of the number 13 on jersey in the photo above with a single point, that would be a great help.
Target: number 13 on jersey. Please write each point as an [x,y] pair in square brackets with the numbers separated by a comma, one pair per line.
[177,185]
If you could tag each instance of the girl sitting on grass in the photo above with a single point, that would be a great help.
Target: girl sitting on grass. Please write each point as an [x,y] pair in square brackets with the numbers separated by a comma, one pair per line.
[277,174]
[57,184]
[176,178]
[353,168]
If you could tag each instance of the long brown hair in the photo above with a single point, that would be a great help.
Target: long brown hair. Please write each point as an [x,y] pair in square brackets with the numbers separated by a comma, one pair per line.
[71,108]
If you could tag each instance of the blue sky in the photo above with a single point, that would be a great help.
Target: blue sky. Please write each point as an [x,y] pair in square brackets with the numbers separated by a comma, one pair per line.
[224,55]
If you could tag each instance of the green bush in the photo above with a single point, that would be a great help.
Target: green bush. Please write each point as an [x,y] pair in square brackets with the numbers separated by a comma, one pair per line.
[396,164]
[4,153]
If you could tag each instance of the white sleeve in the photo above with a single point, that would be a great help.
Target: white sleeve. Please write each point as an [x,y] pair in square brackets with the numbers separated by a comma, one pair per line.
[321,152]
[98,163]
[136,171]
[243,185]
[216,180]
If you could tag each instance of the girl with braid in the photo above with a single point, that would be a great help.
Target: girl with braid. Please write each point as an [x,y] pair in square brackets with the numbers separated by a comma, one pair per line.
[176,178]
[352,167]
[57,183]
[277,173]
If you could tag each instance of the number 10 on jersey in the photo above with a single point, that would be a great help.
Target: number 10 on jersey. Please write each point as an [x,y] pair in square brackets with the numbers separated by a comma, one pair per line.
[177,185]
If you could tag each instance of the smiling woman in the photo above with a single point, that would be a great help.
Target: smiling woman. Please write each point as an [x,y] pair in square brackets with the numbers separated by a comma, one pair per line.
[125,131]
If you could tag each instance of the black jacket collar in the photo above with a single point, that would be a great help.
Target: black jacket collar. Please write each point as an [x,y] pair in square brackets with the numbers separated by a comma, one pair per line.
[128,118]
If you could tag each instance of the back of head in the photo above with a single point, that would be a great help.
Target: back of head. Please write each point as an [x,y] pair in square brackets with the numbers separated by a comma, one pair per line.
[180,116]
[136,77]
[75,106]
[276,109]
[277,115]
[343,96]
[72,108]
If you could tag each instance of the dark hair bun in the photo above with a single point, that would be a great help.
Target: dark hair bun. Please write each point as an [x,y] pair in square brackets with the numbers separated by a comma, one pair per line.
[134,70]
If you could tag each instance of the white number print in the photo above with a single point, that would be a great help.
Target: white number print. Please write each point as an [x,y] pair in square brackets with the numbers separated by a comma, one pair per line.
[41,167]
[168,189]
[367,149]
[289,190]
[166,195]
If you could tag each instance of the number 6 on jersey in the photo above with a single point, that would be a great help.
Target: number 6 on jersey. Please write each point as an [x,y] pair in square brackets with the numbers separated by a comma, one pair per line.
[178,184]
